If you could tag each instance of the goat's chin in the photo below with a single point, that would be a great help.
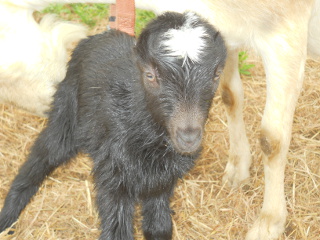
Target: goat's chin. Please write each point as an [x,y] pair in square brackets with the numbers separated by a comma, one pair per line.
[186,150]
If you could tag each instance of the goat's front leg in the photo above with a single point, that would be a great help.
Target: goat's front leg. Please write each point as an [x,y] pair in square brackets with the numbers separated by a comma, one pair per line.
[116,210]
[284,63]
[157,223]
[237,168]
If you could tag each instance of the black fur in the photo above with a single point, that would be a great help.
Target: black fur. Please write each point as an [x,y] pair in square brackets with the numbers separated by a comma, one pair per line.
[139,113]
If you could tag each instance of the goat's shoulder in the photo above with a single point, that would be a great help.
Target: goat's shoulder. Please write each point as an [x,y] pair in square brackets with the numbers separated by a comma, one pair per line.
[103,61]
[104,47]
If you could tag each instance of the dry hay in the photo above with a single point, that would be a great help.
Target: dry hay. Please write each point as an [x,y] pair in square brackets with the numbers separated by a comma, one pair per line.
[204,208]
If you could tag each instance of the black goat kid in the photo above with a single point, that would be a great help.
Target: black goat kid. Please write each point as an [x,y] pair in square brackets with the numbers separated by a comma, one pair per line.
[139,110]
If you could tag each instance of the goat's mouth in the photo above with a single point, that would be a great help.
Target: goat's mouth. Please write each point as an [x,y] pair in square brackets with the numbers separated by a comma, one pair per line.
[186,127]
[187,140]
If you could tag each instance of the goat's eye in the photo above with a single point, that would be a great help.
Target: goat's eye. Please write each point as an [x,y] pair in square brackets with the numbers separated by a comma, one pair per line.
[150,76]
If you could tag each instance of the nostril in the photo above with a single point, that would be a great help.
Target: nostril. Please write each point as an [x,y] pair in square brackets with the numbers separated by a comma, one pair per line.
[189,136]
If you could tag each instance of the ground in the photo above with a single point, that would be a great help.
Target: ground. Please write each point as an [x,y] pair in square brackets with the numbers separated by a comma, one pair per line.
[204,208]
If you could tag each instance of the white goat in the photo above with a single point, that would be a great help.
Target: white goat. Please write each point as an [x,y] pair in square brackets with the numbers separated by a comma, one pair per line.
[33,55]
[283,32]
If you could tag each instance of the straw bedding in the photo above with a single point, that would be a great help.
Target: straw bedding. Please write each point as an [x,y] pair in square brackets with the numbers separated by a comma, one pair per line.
[204,208]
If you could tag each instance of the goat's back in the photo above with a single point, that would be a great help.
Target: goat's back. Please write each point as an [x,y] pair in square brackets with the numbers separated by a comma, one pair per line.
[102,72]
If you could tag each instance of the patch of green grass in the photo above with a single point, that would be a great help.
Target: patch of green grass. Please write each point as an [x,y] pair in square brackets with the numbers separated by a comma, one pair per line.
[244,67]
[91,13]
[59,9]
[142,18]
[88,14]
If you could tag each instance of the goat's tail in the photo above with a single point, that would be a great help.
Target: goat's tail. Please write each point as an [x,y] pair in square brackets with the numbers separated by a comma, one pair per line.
[54,146]
[62,32]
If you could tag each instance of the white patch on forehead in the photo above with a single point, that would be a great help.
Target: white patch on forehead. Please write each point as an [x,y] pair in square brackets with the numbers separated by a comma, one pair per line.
[187,41]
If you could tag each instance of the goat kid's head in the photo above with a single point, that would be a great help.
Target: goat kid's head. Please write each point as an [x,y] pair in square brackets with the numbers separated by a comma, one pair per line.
[181,57]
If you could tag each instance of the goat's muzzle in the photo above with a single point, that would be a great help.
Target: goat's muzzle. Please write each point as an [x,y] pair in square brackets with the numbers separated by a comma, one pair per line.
[188,139]
[186,130]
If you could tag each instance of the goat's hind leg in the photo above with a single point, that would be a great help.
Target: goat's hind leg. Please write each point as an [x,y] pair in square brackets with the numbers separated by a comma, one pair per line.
[238,165]
[41,162]
[53,147]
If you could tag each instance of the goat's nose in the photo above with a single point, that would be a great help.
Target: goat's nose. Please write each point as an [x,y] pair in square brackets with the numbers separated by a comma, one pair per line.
[189,138]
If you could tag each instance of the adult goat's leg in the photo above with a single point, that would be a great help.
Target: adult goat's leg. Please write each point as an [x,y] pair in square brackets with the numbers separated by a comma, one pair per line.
[284,59]
[237,168]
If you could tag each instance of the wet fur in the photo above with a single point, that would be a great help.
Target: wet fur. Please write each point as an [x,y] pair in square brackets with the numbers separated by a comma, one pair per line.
[108,107]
